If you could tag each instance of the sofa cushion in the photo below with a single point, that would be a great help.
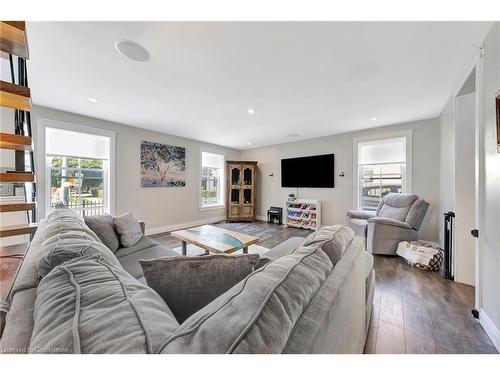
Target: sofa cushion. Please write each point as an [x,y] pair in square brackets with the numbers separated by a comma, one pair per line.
[68,245]
[333,240]
[359,226]
[285,247]
[396,206]
[88,305]
[258,314]
[16,335]
[131,264]
[335,320]
[188,284]
[104,227]
[144,243]
[63,220]
[417,213]
[128,228]
[58,221]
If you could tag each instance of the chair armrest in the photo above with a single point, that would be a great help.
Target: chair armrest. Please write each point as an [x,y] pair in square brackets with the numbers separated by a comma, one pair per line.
[143,226]
[388,221]
[353,214]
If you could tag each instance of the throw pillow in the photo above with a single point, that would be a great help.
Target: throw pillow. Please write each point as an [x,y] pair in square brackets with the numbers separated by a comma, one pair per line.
[128,228]
[333,240]
[187,284]
[103,226]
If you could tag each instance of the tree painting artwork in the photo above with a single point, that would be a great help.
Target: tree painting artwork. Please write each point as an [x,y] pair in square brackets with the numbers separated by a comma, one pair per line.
[162,165]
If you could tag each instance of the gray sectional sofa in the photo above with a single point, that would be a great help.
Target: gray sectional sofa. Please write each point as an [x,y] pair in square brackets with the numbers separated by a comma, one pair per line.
[73,294]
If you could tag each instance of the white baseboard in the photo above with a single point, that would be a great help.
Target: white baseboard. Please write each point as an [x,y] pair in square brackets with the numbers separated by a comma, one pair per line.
[490,329]
[261,217]
[170,228]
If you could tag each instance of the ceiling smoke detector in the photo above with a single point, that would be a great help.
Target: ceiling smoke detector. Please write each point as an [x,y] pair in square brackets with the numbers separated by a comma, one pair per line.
[132,50]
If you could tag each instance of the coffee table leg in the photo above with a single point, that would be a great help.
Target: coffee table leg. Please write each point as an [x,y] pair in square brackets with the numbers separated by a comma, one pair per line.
[184,248]
[245,250]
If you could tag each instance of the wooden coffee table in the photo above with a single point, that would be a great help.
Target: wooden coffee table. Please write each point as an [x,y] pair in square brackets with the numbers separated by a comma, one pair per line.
[214,239]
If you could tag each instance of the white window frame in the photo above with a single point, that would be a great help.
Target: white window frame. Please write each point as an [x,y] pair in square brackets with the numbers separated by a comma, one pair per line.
[408,180]
[43,170]
[222,202]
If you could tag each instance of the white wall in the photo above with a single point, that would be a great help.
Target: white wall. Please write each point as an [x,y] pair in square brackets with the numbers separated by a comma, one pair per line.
[489,183]
[447,164]
[465,189]
[336,201]
[161,208]
[489,236]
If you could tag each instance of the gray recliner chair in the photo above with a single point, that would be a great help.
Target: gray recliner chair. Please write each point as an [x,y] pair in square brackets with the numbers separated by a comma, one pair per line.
[398,218]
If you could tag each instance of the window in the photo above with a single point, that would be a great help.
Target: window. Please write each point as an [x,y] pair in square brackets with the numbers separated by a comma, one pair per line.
[77,171]
[382,169]
[212,174]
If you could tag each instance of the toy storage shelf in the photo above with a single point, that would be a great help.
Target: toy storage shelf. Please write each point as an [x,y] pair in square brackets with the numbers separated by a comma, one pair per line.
[303,213]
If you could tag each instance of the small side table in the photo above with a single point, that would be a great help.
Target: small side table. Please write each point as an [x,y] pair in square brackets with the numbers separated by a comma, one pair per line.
[275,214]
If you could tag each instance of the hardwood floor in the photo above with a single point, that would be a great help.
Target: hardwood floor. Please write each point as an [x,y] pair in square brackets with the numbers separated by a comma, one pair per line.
[420,312]
[413,311]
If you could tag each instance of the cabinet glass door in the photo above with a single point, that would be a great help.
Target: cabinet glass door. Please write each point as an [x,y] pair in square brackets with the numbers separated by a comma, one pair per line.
[235,175]
[247,196]
[235,196]
[247,176]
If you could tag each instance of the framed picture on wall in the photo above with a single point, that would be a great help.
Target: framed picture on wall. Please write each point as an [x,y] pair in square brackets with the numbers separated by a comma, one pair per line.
[162,165]
[497,99]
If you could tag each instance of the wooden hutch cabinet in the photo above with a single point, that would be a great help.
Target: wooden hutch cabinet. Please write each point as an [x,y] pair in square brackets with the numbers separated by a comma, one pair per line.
[241,190]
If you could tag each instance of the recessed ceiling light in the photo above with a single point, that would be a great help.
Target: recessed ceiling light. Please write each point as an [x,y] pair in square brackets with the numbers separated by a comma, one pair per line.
[132,50]
[373,119]
[249,143]
[251,111]
[93,100]
[293,135]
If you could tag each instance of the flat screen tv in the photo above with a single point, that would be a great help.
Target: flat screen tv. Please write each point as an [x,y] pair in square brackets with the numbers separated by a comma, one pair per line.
[310,171]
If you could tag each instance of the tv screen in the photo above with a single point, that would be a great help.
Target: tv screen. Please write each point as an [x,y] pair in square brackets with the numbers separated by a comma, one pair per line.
[310,171]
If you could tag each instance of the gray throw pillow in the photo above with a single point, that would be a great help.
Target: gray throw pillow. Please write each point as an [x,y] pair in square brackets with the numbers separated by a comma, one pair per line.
[128,228]
[103,226]
[333,240]
[187,284]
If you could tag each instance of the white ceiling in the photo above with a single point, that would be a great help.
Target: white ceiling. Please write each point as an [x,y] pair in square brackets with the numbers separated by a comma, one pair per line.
[310,78]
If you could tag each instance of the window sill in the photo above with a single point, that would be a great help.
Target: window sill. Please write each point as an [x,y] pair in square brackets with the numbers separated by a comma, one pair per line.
[210,208]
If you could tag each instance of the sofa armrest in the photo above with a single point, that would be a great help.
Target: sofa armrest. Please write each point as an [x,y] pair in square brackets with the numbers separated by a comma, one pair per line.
[388,221]
[143,226]
[365,215]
